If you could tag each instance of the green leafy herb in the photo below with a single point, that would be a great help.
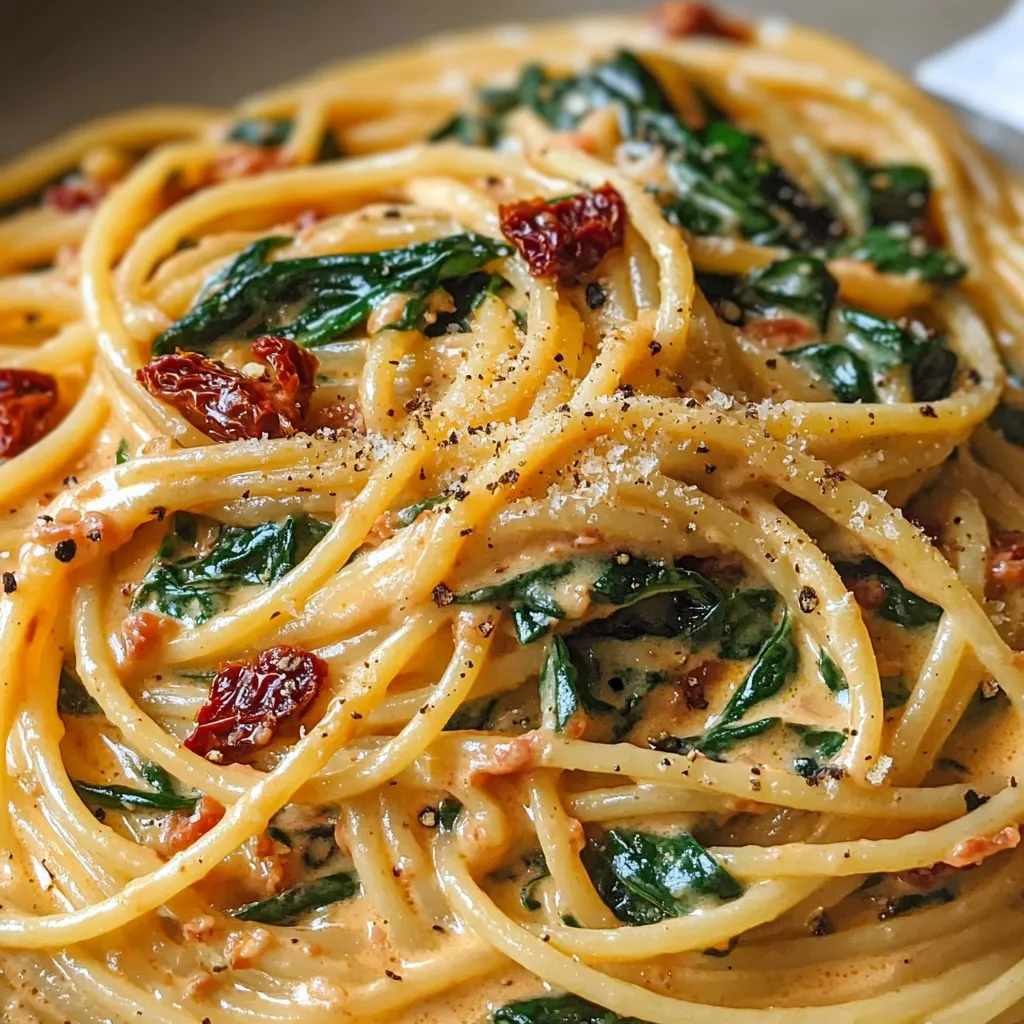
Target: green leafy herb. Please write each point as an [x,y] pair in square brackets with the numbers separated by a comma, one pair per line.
[315,299]
[644,878]
[286,908]
[894,692]
[474,714]
[408,515]
[121,456]
[530,597]
[192,587]
[447,811]
[846,374]
[831,674]
[799,284]
[776,662]
[72,697]
[723,738]
[895,250]
[914,901]
[271,132]
[824,744]
[526,897]
[747,621]
[561,698]
[566,1009]
[899,605]
[1008,420]
[124,798]
[892,193]
[467,294]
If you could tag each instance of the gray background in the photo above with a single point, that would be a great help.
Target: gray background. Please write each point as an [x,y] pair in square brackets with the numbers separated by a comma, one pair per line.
[62,61]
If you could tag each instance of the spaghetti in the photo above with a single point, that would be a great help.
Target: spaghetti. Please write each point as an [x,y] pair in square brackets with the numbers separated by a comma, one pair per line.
[523,528]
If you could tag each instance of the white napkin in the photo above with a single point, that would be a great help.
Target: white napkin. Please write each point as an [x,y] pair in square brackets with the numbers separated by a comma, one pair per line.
[984,72]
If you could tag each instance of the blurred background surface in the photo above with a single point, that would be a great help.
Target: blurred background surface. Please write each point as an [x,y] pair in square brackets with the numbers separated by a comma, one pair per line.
[62,61]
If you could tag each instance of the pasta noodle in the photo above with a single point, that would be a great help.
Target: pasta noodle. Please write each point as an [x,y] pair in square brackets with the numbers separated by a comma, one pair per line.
[528,528]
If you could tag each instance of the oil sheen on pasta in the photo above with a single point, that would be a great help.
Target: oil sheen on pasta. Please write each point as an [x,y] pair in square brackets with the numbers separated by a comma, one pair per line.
[526,528]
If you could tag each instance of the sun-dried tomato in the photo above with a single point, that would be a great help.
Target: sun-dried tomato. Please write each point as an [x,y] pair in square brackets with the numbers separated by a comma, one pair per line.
[248,700]
[227,405]
[568,237]
[1006,565]
[73,194]
[781,332]
[27,398]
[677,20]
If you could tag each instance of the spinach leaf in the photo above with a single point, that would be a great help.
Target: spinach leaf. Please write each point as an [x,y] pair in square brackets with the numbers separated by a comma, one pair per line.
[718,741]
[831,674]
[914,901]
[894,250]
[447,811]
[746,623]
[566,1009]
[1008,420]
[891,193]
[894,692]
[315,299]
[72,697]
[798,284]
[467,293]
[899,605]
[192,587]
[271,132]
[932,373]
[561,698]
[121,456]
[846,374]
[124,798]
[286,908]
[530,596]
[644,878]
[408,515]
[537,863]
[474,714]
[776,662]
[824,744]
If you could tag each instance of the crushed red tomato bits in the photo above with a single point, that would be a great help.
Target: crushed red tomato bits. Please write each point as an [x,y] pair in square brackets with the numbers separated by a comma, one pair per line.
[226,404]
[249,700]
[1006,565]
[74,193]
[568,237]
[27,399]
[677,20]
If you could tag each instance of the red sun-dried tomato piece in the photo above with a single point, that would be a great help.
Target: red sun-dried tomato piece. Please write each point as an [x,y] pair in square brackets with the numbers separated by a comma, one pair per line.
[781,332]
[248,700]
[677,20]
[568,237]
[73,194]
[27,398]
[1006,564]
[224,403]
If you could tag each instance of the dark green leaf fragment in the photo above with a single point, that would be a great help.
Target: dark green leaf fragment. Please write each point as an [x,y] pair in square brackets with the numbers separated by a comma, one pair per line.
[565,1009]
[474,714]
[560,696]
[799,284]
[914,901]
[823,743]
[831,674]
[845,373]
[894,250]
[121,456]
[747,621]
[899,605]
[447,811]
[646,878]
[315,299]
[408,515]
[1008,420]
[892,193]
[124,798]
[894,692]
[72,696]
[192,587]
[286,908]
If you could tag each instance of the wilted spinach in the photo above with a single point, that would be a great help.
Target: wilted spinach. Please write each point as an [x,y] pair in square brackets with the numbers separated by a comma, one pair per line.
[286,908]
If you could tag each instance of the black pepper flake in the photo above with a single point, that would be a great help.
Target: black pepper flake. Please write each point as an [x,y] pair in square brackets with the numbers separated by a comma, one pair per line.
[710,467]
[486,628]
[510,476]
[595,296]
[972,801]
[808,599]
[393,976]
[655,347]
[442,596]
[159,511]
[65,550]
[95,536]
[929,412]
[821,924]
[10,583]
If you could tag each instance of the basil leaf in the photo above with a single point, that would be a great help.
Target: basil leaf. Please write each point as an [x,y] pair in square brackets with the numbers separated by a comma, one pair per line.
[914,901]
[192,587]
[846,374]
[72,697]
[899,605]
[776,662]
[644,878]
[286,908]
[315,299]
[566,1009]
[124,798]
